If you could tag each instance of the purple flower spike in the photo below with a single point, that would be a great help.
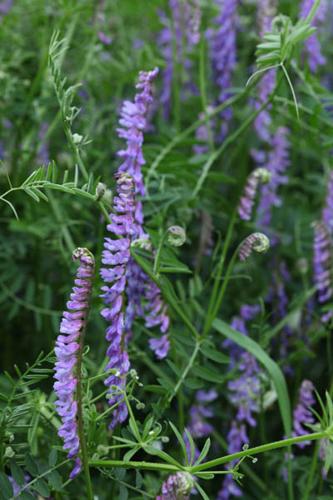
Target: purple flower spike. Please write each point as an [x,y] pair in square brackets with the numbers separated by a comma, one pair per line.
[223,52]
[116,256]
[237,437]
[312,44]
[302,413]
[322,264]
[260,175]
[134,121]
[177,487]
[328,209]
[245,390]
[67,349]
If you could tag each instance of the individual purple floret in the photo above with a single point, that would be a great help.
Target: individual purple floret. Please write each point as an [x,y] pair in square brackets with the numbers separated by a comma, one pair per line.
[237,438]
[259,175]
[312,45]
[115,258]
[277,163]
[67,350]
[245,390]
[257,242]
[222,41]
[322,266]
[327,215]
[177,487]
[302,413]
[265,14]
[104,38]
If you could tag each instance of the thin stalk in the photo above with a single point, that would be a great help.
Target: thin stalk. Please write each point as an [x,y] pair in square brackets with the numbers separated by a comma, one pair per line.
[313,468]
[284,443]
[212,302]
[186,371]
[156,466]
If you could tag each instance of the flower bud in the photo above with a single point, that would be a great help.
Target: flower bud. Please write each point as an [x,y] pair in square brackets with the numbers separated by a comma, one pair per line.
[176,236]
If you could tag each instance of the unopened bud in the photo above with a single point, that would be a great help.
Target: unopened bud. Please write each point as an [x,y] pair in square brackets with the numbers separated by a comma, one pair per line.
[176,236]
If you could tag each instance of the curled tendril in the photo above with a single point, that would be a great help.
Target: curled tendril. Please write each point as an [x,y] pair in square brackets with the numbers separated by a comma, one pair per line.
[257,242]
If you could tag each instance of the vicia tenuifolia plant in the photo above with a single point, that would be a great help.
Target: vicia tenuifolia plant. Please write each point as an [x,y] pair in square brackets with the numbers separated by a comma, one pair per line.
[194,355]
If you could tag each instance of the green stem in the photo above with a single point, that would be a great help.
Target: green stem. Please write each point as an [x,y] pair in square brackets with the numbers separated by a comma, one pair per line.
[156,466]
[313,468]
[186,371]
[284,443]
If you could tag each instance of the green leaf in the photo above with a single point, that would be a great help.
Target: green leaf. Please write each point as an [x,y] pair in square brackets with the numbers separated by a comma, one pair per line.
[179,439]
[203,452]
[55,480]
[273,369]
[31,465]
[41,487]
[5,486]
[17,473]
[214,354]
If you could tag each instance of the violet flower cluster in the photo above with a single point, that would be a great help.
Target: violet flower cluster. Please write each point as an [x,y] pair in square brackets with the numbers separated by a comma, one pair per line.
[222,40]
[237,437]
[67,351]
[115,258]
[177,487]
[312,45]
[133,123]
[245,208]
[302,413]
[322,265]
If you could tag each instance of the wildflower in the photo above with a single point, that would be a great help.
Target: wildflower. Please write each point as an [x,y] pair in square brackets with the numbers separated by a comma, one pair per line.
[312,44]
[116,256]
[223,52]
[236,438]
[257,242]
[327,215]
[322,257]
[259,175]
[5,7]
[277,163]
[177,487]
[67,350]
[302,413]
[247,313]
